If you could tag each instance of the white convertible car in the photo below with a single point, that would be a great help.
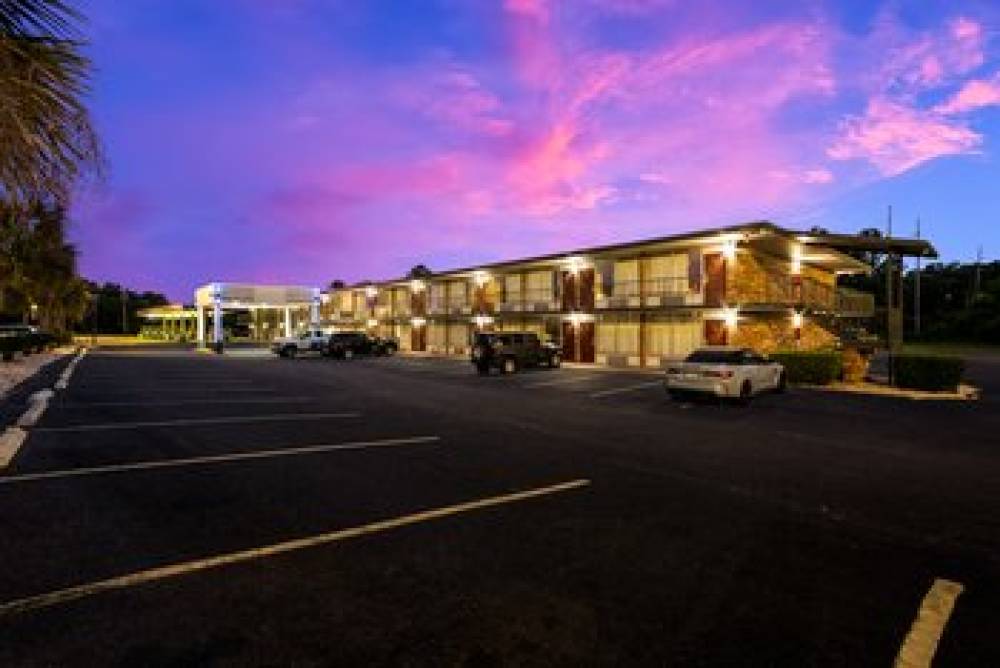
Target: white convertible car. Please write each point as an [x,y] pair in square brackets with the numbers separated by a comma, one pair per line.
[725,372]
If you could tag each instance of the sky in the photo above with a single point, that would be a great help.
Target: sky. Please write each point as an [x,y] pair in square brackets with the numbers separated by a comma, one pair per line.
[302,141]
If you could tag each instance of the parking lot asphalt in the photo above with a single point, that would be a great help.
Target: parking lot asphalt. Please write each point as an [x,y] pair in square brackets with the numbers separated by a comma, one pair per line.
[172,508]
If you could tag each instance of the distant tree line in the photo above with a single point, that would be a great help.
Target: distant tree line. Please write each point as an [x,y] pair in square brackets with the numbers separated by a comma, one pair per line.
[115,310]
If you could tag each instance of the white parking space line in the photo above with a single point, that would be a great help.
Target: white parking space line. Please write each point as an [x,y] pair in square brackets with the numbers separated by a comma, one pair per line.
[187,402]
[627,388]
[216,459]
[190,422]
[174,570]
[10,442]
[921,642]
[561,381]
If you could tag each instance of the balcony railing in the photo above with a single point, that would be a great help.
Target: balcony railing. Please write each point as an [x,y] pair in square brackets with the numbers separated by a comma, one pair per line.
[855,303]
[532,299]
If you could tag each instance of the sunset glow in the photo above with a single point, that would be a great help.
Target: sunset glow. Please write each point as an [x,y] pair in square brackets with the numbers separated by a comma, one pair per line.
[308,140]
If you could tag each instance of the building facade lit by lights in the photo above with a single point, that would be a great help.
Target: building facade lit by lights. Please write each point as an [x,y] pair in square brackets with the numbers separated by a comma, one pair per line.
[638,303]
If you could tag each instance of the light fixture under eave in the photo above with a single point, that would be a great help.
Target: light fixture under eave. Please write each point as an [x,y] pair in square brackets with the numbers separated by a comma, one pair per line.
[576,317]
[574,264]
[480,277]
[371,291]
[731,316]
[373,323]
[482,320]
[418,322]
[416,285]
[729,249]
[797,320]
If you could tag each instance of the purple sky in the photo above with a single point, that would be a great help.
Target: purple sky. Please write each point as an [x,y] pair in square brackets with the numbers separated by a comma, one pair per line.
[299,141]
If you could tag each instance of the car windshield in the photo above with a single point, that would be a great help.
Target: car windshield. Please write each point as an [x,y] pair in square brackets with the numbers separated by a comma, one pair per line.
[715,357]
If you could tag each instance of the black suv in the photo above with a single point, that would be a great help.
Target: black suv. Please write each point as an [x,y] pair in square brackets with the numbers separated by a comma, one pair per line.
[510,351]
[346,345]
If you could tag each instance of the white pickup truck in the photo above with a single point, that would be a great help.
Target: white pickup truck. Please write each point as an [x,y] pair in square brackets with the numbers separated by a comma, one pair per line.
[309,341]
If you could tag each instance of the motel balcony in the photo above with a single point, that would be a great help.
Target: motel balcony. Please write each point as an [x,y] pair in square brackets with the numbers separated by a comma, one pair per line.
[531,300]
[660,292]
[459,306]
[854,303]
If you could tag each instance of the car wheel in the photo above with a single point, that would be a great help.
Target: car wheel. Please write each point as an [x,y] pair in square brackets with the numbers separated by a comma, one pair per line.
[348,354]
[509,365]
[746,392]
[291,352]
[555,361]
[483,369]
[676,395]
[782,383]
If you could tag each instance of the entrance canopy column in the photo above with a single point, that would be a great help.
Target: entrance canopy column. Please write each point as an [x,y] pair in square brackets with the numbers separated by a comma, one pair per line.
[201,326]
[288,321]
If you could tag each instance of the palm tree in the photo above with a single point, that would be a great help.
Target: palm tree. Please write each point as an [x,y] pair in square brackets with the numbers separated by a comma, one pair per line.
[45,130]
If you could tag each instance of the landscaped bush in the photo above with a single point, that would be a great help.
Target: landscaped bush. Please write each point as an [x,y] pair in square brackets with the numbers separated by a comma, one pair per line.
[928,372]
[9,345]
[819,367]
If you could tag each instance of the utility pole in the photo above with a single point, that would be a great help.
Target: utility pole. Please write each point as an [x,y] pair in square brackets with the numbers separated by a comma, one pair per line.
[892,323]
[977,281]
[124,313]
[916,291]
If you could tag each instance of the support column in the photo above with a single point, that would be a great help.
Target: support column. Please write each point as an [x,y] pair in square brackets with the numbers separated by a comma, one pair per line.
[201,325]
[314,309]
[288,321]
[217,324]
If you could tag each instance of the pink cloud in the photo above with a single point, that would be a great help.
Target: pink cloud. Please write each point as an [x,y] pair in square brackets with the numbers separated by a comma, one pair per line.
[533,9]
[896,138]
[973,95]
[817,176]
[896,132]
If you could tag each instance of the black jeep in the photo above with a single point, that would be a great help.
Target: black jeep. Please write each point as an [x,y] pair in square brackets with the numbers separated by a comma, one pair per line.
[510,351]
[347,345]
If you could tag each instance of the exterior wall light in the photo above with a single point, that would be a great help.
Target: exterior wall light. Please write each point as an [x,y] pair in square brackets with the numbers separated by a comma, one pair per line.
[797,320]
[480,277]
[482,320]
[416,285]
[574,264]
[373,323]
[796,261]
[371,291]
[576,318]
[729,249]
[418,322]
[731,316]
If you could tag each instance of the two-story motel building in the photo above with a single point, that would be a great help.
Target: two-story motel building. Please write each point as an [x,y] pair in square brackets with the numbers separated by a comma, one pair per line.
[638,303]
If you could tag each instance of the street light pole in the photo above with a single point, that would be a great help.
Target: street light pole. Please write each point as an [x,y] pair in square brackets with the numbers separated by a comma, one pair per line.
[916,291]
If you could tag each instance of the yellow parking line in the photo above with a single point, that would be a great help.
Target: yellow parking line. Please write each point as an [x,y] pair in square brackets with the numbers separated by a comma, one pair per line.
[921,642]
[163,572]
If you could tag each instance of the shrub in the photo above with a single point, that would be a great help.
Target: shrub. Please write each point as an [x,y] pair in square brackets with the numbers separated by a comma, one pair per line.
[854,365]
[928,372]
[9,345]
[819,367]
